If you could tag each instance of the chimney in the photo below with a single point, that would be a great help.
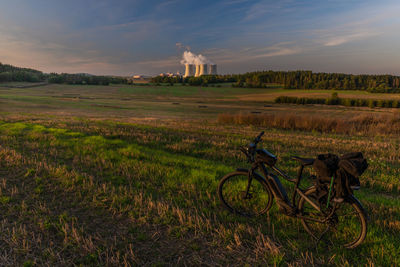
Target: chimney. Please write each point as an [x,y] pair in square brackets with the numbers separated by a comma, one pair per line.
[189,70]
[203,69]
[197,71]
[213,69]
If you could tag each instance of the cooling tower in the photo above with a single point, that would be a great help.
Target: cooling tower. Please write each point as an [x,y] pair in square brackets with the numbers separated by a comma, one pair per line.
[189,70]
[197,71]
[213,69]
[203,69]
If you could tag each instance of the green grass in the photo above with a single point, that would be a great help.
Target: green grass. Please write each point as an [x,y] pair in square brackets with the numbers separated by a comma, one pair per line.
[120,175]
[162,182]
[189,91]
[188,102]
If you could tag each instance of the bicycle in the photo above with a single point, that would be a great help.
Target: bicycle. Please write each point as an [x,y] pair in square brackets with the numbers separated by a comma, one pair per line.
[248,193]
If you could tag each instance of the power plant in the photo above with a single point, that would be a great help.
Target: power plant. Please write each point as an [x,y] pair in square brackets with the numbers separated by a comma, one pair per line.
[199,70]
[197,65]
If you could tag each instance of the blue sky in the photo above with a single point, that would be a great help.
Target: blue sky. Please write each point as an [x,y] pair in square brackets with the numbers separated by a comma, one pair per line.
[139,36]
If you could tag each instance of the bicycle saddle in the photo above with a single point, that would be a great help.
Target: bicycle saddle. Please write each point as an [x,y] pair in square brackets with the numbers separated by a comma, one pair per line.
[304,161]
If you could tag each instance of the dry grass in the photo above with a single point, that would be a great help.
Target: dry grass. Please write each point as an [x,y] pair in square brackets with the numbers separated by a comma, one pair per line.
[114,194]
[362,124]
[116,190]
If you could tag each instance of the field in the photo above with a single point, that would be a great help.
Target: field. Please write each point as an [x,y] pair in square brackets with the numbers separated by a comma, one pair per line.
[127,175]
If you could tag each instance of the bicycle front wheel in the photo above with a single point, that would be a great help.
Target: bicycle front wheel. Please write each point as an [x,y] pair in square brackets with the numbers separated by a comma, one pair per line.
[347,227]
[233,193]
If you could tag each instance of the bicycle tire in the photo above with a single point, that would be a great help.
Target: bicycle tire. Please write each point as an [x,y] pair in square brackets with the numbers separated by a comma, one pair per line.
[232,188]
[339,223]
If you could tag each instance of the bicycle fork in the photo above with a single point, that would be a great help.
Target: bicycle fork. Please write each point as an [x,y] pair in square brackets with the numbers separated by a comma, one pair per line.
[247,195]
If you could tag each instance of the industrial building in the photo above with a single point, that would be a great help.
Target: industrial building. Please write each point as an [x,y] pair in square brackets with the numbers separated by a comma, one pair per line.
[213,69]
[199,70]
[189,70]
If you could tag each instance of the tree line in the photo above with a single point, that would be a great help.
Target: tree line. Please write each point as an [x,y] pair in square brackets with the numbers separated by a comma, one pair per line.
[9,73]
[66,78]
[260,79]
[335,100]
[310,80]
[295,80]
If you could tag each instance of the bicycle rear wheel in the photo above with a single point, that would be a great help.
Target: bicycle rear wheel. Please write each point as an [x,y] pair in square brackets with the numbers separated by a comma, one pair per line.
[232,193]
[347,227]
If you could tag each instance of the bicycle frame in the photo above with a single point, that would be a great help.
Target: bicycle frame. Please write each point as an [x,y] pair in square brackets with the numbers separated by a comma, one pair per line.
[277,189]
[280,193]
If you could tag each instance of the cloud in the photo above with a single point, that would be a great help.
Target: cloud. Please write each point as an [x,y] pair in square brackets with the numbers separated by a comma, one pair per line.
[160,63]
[264,7]
[226,56]
[279,51]
[248,54]
[162,6]
[52,56]
[362,24]
[339,40]
[234,2]
[139,36]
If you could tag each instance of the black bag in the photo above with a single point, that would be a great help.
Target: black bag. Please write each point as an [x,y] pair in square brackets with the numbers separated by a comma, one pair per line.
[350,167]
[353,163]
[345,171]
[325,166]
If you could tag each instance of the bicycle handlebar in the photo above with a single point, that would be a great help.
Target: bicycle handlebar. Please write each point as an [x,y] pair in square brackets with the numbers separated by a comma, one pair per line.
[251,149]
[258,138]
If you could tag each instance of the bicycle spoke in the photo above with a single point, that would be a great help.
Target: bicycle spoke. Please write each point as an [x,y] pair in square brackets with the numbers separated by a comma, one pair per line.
[233,193]
[345,227]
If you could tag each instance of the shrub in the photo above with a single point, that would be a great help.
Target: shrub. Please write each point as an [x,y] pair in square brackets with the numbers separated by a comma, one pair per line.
[362,103]
[364,124]
[388,103]
[348,102]
[371,103]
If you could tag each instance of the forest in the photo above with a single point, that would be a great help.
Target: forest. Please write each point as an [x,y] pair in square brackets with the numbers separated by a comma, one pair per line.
[296,80]
[9,73]
[65,78]
[310,80]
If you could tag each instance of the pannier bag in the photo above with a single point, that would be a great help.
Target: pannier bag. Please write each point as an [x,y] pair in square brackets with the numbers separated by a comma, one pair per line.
[353,163]
[325,166]
[350,167]
[345,171]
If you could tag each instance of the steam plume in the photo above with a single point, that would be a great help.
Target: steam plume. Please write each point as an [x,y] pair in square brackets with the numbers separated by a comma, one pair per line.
[191,58]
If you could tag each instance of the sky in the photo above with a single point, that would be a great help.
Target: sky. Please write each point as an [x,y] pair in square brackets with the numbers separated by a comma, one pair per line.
[147,37]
